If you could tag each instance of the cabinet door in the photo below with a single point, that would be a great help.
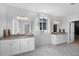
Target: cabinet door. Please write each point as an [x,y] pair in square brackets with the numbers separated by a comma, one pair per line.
[31,44]
[23,45]
[6,48]
[54,39]
[15,46]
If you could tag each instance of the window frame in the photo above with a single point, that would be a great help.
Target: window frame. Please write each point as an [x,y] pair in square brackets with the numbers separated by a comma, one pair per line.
[43,22]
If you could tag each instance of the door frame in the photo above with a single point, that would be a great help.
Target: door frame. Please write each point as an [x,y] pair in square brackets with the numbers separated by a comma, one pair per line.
[69,35]
[69,29]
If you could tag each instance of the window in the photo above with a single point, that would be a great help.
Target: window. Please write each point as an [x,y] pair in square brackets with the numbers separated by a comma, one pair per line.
[40,26]
[43,24]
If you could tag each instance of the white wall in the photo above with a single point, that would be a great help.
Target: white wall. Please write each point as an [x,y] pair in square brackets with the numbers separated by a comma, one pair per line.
[2,19]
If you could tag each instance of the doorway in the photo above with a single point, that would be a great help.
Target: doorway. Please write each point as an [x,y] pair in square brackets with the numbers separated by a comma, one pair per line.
[76,29]
[55,28]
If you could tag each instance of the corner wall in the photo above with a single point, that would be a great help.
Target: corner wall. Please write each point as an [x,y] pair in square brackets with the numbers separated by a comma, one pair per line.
[2,19]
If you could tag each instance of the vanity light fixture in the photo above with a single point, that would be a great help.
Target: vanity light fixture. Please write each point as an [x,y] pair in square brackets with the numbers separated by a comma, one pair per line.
[56,22]
[21,18]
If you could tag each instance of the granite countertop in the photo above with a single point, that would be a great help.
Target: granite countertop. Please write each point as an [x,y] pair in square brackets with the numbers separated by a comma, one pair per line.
[16,37]
[58,33]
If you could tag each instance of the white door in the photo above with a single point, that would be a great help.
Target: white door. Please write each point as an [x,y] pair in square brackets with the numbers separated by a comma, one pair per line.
[71,32]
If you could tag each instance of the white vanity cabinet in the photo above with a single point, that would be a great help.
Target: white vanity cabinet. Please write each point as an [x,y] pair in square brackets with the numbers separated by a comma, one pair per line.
[58,39]
[16,46]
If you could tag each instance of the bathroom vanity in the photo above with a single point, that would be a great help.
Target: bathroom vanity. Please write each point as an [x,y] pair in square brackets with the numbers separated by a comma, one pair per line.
[58,38]
[16,45]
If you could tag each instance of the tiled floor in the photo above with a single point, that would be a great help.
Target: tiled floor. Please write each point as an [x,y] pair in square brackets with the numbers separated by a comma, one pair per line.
[50,50]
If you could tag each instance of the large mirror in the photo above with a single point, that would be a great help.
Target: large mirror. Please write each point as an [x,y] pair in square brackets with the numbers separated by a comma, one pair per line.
[21,27]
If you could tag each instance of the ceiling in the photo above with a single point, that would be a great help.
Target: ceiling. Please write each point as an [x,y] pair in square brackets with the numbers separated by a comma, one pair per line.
[57,9]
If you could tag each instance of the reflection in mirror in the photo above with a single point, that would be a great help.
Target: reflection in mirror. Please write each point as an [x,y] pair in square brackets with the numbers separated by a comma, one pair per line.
[27,28]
